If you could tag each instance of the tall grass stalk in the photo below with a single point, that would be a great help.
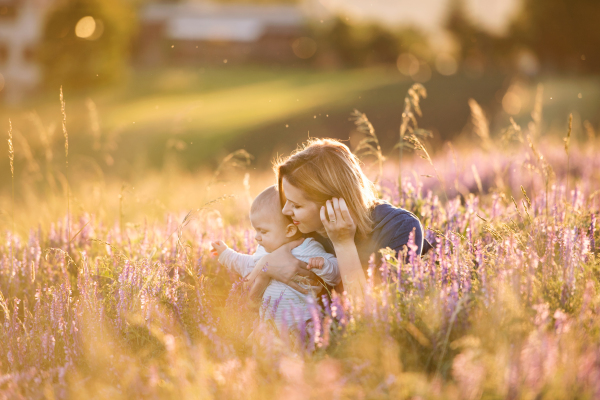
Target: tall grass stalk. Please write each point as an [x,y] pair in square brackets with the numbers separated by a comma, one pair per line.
[480,124]
[481,127]
[417,145]
[45,135]
[567,141]
[535,126]
[369,146]
[589,130]
[66,134]
[544,168]
[11,158]
[121,209]
[477,179]
[32,165]
[238,159]
[409,125]
[94,122]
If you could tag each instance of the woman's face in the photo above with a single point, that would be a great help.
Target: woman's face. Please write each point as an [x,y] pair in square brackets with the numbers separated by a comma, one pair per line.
[304,213]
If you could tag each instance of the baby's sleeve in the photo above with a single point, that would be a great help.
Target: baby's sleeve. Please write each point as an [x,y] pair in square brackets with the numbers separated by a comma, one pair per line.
[239,263]
[330,272]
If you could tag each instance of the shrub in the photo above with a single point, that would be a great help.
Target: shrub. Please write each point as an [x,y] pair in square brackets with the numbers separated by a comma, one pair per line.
[79,52]
[366,44]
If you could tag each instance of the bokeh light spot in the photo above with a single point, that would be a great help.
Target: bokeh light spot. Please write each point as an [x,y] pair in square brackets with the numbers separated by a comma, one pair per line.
[85,27]
[423,74]
[304,47]
[408,64]
[445,64]
[511,103]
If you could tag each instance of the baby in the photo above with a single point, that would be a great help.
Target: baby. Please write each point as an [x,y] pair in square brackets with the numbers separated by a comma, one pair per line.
[273,230]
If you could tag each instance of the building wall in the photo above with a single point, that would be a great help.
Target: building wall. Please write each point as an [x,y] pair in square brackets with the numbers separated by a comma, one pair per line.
[195,33]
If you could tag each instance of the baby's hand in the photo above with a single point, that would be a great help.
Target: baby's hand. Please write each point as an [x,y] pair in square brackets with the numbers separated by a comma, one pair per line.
[218,247]
[315,262]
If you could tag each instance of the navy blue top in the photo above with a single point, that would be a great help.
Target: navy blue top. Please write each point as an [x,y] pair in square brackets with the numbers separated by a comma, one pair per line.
[391,228]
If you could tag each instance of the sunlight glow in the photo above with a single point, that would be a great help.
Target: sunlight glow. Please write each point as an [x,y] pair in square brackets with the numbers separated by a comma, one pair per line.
[85,27]
[446,64]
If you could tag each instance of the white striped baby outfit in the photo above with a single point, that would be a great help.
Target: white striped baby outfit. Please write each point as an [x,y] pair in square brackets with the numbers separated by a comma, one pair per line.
[291,299]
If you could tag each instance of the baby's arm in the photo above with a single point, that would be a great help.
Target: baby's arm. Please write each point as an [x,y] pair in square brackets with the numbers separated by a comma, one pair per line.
[232,260]
[315,262]
[329,270]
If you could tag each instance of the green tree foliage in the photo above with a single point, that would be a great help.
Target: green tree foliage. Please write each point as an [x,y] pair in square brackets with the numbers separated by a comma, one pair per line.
[366,44]
[563,34]
[476,44]
[101,57]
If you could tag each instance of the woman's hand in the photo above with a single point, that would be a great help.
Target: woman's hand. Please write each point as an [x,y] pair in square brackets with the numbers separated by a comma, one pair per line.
[282,266]
[258,286]
[341,230]
[338,222]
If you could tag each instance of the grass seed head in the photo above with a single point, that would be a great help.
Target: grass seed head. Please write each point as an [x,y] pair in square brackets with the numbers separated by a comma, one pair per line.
[368,146]
[480,124]
[11,150]
[568,138]
[589,129]
[536,114]
[64,125]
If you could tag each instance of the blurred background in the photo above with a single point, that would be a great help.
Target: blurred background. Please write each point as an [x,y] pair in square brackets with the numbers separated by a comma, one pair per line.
[153,87]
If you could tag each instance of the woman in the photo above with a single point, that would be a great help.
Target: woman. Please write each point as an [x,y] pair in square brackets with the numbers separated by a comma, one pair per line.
[323,189]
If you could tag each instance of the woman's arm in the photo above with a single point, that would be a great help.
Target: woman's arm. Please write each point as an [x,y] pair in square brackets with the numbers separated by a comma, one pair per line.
[258,286]
[280,265]
[341,230]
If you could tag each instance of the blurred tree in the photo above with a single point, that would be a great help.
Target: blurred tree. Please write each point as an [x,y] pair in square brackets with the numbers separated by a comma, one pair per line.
[86,43]
[478,48]
[366,44]
[563,34]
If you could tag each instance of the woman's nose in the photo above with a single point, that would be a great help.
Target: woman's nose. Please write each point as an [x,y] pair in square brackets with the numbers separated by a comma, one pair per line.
[286,209]
[257,237]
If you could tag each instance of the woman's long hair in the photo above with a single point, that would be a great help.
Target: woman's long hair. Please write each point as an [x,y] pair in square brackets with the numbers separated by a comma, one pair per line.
[326,168]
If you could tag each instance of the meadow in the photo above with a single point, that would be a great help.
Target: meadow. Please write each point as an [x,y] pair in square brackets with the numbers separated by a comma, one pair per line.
[110,290]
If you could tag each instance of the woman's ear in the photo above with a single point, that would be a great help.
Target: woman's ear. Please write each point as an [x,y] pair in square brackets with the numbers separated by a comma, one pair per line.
[291,230]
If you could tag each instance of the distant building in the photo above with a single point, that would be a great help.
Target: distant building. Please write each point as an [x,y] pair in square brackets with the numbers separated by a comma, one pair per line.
[209,32]
[21,24]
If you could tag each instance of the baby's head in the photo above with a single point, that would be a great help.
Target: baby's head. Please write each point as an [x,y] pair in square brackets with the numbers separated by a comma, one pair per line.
[273,229]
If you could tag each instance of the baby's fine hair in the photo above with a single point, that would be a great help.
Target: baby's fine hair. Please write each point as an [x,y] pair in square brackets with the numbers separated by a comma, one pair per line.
[268,200]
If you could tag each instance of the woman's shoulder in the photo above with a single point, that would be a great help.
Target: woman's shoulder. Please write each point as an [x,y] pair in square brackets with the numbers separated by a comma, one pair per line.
[392,227]
[384,213]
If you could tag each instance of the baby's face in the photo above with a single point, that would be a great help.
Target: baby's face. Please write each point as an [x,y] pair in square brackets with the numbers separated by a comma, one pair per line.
[270,230]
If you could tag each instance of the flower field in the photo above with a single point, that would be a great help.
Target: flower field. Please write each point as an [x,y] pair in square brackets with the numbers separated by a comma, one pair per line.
[506,305]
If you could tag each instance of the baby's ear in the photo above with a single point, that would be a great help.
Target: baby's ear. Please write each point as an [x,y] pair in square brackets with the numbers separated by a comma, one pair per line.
[291,230]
